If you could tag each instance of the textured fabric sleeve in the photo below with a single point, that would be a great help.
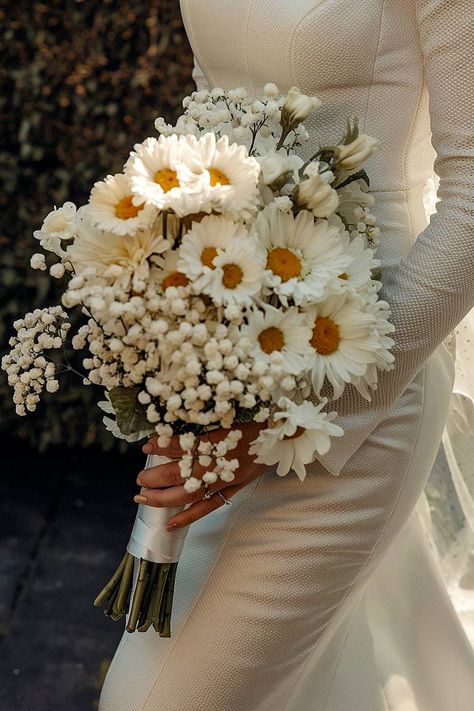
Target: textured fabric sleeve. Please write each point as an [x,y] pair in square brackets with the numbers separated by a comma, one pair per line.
[432,288]
[198,76]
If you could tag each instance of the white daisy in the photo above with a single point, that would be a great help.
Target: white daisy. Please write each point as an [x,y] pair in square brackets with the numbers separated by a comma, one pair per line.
[352,196]
[225,172]
[383,358]
[237,274]
[301,256]
[156,178]
[299,431]
[200,245]
[272,330]
[169,273]
[115,256]
[111,206]
[344,342]
[357,275]
[60,224]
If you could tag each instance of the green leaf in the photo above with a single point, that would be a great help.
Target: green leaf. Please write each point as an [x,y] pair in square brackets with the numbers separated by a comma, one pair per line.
[131,414]
[361,174]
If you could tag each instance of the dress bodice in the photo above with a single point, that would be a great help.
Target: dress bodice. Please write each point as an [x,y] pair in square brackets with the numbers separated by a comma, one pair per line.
[359,58]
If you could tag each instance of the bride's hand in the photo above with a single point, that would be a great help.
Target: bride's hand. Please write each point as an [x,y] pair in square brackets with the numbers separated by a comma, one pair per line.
[163,485]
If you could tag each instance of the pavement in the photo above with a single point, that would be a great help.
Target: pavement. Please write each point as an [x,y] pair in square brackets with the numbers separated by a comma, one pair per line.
[65,519]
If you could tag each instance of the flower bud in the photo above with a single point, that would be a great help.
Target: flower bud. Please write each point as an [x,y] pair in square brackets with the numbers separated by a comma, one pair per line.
[316,195]
[352,155]
[297,108]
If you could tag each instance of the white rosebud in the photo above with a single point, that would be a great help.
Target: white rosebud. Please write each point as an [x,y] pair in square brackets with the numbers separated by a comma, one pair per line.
[297,108]
[352,155]
[315,194]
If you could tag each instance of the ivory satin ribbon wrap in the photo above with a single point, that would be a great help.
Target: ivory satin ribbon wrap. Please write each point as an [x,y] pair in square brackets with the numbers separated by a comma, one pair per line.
[149,538]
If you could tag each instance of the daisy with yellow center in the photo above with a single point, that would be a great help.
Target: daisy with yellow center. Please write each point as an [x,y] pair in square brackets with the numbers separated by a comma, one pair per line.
[202,244]
[116,257]
[301,256]
[298,432]
[154,169]
[357,275]
[225,172]
[170,274]
[272,330]
[343,342]
[236,277]
[111,206]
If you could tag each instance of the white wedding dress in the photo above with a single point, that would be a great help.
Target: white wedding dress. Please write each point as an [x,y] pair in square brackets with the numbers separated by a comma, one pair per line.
[326,595]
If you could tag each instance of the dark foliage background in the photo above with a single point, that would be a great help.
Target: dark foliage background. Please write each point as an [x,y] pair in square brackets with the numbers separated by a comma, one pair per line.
[80,83]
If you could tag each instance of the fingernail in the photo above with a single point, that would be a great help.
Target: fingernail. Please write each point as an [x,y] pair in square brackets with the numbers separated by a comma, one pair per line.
[169,526]
[140,499]
[147,448]
[138,480]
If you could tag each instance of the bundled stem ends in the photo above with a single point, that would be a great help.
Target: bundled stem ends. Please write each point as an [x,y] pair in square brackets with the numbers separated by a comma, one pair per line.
[150,603]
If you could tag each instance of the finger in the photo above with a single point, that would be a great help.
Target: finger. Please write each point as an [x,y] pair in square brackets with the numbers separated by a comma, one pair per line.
[172,496]
[202,508]
[160,475]
[173,450]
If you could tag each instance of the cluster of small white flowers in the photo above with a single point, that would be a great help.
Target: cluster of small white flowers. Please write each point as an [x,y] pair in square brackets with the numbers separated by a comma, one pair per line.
[211,456]
[354,207]
[29,370]
[254,123]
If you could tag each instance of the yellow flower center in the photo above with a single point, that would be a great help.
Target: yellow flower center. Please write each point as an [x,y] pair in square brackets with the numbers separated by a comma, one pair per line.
[166,179]
[271,339]
[232,276]
[299,431]
[175,279]
[125,209]
[343,276]
[283,263]
[325,339]
[215,177]
[208,255]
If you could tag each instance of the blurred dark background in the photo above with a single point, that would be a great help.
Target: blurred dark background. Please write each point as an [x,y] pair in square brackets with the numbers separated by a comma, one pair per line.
[81,82]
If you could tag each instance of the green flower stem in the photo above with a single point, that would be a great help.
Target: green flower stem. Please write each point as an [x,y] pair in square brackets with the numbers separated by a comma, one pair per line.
[104,593]
[167,603]
[144,617]
[120,605]
[154,609]
[138,595]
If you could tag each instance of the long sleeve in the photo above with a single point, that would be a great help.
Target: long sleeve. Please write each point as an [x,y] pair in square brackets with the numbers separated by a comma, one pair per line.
[432,288]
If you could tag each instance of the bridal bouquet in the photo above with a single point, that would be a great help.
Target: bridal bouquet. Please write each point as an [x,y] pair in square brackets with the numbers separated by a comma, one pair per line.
[223,279]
